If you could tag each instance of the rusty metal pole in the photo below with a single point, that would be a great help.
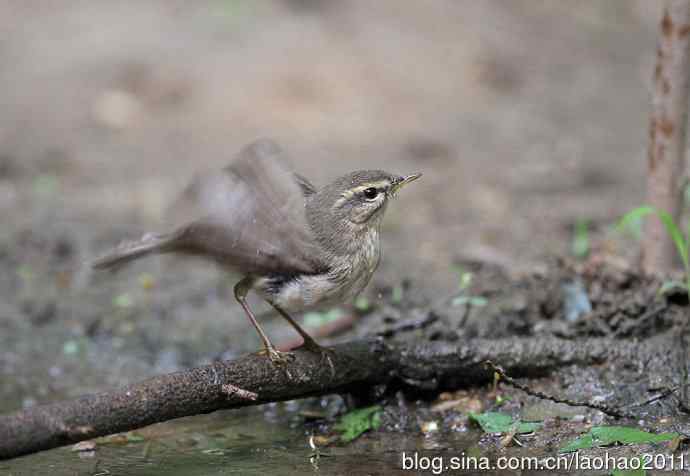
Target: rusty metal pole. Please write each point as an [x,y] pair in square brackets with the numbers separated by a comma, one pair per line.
[667,133]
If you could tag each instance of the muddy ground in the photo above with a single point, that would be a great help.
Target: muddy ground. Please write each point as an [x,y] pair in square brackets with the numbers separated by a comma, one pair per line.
[526,118]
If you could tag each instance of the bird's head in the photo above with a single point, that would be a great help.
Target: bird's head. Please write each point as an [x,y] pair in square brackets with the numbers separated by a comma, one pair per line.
[353,203]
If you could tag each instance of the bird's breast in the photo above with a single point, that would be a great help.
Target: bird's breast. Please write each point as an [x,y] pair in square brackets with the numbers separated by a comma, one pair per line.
[346,277]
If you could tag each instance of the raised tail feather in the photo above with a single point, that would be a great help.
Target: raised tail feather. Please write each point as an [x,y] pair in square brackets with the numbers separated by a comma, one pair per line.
[131,250]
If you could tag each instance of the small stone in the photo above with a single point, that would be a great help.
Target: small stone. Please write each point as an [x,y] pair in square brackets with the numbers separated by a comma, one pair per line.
[429,427]
[88,445]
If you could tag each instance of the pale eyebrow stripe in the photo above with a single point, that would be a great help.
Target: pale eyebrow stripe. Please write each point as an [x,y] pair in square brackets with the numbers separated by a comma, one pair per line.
[347,194]
[379,184]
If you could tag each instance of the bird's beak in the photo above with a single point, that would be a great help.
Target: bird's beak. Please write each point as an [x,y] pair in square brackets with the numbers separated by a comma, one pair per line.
[405,180]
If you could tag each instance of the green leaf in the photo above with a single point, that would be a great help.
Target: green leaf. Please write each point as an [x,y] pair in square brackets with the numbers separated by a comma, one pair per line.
[580,443]
[609,435]
[356,422]
[681,242]
[580,244]
[502,399]
[495,422]
[478,301]
[633,219]
[465,280]
[474,301]
[631,472]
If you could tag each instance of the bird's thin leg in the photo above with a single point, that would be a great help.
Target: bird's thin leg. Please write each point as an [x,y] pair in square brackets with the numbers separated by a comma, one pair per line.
[241,289]
[309,343]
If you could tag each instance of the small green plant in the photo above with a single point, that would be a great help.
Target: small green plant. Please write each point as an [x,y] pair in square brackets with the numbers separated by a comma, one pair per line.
[397,294]
[580,245]
[464,283]
[680,240]
[464,278]
[362,304]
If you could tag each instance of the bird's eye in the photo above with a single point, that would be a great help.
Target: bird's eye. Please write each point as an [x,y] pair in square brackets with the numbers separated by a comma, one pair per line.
[370,193]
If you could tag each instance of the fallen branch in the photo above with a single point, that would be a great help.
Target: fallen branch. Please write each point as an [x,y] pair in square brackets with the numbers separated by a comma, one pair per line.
[253,380]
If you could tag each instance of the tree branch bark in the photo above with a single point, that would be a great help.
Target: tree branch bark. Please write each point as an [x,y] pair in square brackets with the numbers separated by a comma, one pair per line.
[253,380]
[667,133]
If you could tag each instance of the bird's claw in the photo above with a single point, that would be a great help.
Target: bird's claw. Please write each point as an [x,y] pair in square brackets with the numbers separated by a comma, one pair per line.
[324,352]
[276,356]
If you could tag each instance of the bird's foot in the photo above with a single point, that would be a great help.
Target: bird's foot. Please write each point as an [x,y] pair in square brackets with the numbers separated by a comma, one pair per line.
[325,353]
[278,358]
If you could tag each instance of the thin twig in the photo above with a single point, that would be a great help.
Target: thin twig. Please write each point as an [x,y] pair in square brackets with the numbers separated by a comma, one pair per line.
[656,398]
[616,413]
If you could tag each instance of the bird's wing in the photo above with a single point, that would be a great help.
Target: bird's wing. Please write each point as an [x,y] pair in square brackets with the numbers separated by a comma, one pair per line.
[251,215]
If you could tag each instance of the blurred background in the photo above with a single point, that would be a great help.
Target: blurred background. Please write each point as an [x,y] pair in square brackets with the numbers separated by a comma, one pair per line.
[525,117]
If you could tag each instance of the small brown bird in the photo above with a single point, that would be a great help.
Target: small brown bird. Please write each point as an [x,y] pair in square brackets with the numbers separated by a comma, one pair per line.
[299,247]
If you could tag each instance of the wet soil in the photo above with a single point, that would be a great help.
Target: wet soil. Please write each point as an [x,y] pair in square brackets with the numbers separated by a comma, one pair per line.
[86,332]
